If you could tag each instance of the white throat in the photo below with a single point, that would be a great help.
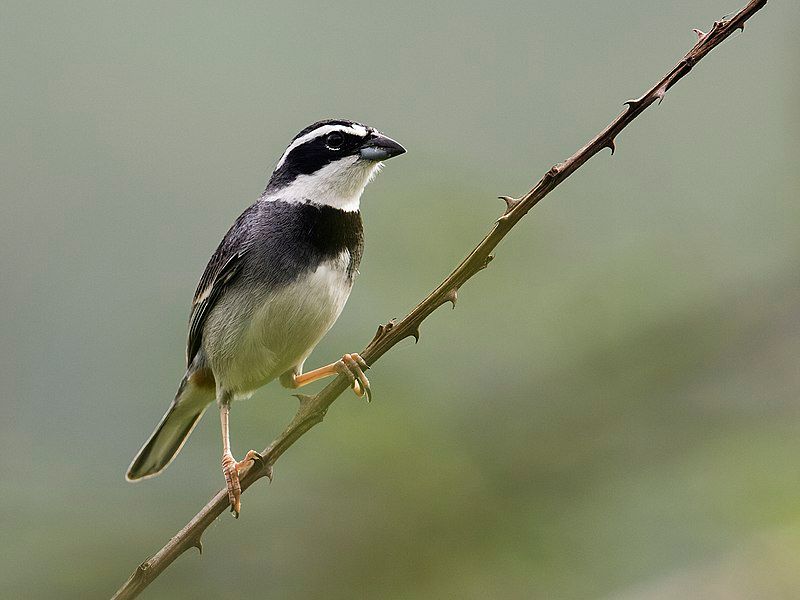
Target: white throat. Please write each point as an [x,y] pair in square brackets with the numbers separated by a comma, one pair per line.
[339,184]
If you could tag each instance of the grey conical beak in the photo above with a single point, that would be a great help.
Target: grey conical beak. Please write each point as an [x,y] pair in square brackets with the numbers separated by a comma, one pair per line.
[380,147]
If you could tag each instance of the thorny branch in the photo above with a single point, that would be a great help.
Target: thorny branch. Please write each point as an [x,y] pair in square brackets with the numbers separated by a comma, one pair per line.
[313,408]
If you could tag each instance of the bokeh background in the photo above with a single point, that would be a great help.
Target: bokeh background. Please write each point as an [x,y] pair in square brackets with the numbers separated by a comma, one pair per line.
[613,410]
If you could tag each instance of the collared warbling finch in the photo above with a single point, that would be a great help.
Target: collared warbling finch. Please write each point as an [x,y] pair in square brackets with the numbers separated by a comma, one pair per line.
[275,285]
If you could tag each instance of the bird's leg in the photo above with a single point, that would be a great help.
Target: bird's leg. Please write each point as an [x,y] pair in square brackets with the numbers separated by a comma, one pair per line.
[231,468]
[351,366]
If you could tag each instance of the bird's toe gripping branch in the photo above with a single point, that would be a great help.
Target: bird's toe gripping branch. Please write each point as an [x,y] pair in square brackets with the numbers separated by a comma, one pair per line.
[231,473]
[232,470]
[353,366]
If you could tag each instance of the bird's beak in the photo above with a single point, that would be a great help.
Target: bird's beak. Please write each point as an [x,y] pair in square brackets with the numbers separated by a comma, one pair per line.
[379,147]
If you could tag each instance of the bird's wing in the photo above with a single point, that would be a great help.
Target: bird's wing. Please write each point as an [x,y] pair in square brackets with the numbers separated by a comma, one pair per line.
[223,267]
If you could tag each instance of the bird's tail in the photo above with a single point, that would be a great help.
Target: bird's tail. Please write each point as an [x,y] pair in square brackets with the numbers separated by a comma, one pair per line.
[171,433]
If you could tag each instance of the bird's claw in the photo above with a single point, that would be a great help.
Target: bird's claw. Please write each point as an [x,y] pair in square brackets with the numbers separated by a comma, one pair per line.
[231,473]
[251,456]
[257,459]
[232,469]
[353,367]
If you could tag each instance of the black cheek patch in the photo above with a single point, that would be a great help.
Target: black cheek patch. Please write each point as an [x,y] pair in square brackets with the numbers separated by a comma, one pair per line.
[313,156]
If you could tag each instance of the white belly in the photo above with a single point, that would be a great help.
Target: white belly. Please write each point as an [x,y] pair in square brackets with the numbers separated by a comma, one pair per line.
[279,330]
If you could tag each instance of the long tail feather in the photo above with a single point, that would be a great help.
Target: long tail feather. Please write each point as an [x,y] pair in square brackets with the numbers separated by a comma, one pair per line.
[172,432]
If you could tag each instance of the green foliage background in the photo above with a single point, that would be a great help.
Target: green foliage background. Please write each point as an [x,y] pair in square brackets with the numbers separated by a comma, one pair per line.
[611,412]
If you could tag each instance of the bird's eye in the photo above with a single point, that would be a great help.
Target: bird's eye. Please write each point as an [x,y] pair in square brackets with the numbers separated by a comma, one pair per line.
[334,140]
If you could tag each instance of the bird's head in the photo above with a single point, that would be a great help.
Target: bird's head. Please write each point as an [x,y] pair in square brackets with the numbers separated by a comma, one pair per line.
[330,162]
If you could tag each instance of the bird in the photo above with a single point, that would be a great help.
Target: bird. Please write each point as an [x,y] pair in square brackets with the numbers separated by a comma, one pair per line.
[275,285]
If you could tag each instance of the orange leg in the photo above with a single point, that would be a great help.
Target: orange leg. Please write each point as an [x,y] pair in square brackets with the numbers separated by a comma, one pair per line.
[350,365]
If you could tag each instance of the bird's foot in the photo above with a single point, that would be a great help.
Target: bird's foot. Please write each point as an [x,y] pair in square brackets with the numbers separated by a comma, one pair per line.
[232,469]
[353,366]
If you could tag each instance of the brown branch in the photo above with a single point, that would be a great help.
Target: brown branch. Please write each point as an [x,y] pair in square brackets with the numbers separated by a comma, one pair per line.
[313,408]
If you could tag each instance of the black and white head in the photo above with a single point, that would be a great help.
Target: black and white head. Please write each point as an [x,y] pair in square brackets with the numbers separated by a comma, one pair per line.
[330,163]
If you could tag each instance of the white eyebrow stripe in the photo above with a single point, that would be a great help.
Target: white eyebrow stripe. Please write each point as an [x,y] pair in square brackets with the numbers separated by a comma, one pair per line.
[358,130]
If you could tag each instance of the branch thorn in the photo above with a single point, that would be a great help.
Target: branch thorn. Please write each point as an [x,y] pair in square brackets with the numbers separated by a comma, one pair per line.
[510,202]
[303,398]
[611,145]
[452,297]
[198,544]
[383,329]
[633,104]
[415,334]
[700,34]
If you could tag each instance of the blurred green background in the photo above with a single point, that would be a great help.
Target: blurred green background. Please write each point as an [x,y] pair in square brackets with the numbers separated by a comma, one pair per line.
[611,412]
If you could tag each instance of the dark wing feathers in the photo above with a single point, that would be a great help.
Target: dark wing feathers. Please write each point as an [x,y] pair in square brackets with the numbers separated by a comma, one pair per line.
[223,267]
[204,301]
